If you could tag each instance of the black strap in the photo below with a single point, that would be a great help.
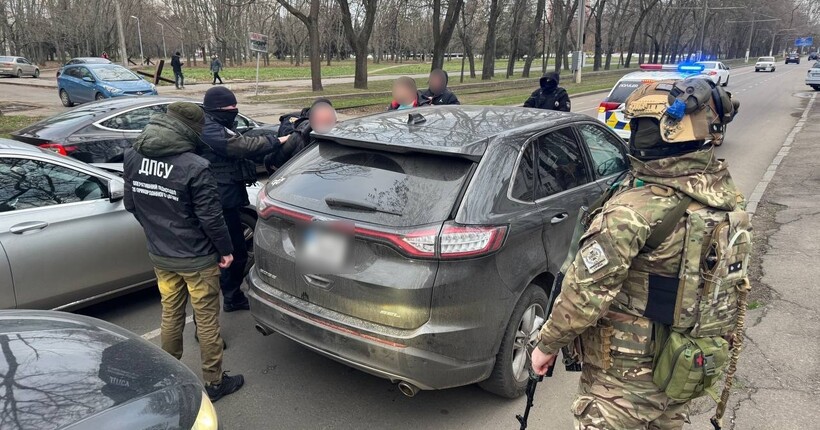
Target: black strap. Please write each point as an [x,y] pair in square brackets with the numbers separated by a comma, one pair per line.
[667,225]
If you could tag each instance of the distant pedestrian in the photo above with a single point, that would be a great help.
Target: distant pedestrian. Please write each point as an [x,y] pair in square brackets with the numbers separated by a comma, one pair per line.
[216,67]
[549,96]
[437,92]
[105,55]
[406,94]
[176,64]
[173,194]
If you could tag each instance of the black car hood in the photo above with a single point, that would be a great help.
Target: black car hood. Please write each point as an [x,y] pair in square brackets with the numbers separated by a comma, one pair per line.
[62,370]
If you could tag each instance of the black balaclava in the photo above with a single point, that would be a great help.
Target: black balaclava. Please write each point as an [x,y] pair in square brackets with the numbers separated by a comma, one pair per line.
[550,81]
[216,99]
[645,142]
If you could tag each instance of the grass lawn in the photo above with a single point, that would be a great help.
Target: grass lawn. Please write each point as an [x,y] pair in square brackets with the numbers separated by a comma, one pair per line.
[10,123]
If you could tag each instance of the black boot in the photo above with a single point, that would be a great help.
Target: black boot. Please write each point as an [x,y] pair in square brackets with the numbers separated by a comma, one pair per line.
[229,385]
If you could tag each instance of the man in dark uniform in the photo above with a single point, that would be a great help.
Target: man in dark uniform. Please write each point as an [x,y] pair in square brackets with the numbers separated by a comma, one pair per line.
[176,64]
[549,96]
[437,92]
[229,154]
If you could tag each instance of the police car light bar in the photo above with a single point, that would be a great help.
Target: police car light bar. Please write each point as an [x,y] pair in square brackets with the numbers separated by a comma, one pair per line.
[683,68]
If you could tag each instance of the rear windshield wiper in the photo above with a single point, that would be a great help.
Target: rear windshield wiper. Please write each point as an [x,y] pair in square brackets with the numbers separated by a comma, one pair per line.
[341,202]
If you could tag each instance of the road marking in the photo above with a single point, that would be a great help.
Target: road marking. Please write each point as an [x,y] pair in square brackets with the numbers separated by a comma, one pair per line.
[760,189]
[156,332]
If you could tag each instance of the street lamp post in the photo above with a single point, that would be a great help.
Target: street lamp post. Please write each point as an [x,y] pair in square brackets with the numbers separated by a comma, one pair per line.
[139,34]
[164,51]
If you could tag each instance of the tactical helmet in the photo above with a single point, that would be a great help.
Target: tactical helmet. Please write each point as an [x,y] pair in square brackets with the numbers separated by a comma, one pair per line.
[689,112]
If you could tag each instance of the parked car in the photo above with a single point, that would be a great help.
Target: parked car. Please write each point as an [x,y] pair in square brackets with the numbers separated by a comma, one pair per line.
[66,371]
[813,76]
[793,58]
[83,60]
[66,240]
[461,217]
[766,64]
[81,83]
[18,67]
[717,72]
[813,56]
[99,132]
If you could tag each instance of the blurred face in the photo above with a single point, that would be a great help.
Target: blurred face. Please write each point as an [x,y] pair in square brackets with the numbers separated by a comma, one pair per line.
[403,95]
[322,118]
[436,82]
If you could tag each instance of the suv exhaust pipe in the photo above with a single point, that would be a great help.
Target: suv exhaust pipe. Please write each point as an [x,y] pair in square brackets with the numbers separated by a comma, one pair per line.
[408,389]
[264,331]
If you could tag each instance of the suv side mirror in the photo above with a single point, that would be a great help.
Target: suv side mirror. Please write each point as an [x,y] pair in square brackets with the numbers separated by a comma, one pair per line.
[116,190]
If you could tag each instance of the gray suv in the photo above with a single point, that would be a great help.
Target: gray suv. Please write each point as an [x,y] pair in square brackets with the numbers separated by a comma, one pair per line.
[458,217]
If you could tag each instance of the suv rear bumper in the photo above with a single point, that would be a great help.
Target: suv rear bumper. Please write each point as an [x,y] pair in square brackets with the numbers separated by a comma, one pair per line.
[384,353]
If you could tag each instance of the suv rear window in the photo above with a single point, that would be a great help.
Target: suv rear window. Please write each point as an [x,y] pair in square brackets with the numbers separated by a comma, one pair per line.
[622,90]
[384,188]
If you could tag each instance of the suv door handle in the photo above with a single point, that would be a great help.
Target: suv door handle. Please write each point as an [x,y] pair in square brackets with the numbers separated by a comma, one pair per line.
[28,226]
[317,281]
[559,218]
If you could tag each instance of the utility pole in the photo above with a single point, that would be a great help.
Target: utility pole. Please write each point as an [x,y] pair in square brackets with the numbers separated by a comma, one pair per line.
[123,53]
[578,56]
[164,51]
[139,34]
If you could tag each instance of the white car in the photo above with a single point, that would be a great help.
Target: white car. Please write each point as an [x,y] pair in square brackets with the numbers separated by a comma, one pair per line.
[717,72]
[18,67]
[765,63]
[610,111]
[813,76]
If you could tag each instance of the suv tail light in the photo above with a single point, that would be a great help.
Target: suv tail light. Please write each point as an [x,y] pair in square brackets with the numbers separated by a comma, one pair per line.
[452,241]
[58,148]
[608,106]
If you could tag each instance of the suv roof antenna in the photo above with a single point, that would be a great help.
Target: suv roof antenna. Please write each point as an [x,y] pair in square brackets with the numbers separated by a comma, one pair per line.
[415,118]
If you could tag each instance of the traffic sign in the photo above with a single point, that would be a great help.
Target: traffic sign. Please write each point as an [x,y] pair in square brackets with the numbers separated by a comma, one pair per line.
[804,41]
[259,42]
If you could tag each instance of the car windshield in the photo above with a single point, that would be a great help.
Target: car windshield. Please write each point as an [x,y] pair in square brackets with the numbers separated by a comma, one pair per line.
[622,91]
[377,187]
[6,59]
[765,59]
[816,65]
[115,73]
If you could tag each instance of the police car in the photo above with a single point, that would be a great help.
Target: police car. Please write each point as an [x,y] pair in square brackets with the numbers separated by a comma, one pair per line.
[610,111]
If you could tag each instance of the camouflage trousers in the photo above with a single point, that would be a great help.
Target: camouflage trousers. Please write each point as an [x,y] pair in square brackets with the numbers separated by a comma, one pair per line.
[625,399]
[203,289]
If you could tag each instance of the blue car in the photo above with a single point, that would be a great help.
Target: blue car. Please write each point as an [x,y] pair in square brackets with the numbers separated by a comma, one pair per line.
[82,83]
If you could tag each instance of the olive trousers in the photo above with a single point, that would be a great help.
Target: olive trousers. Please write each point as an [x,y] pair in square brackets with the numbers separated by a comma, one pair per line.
[203,288]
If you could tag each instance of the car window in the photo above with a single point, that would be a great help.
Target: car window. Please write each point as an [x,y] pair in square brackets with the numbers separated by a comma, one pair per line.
[622,90]
[26,184]
[133,120]
[379,187]
[559,163]
[606,150]
[765,59]
[85,73]
[523,186]
[243,123]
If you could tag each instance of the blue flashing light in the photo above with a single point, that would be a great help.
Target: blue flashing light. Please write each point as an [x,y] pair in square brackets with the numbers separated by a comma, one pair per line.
[676,110]
[690,68]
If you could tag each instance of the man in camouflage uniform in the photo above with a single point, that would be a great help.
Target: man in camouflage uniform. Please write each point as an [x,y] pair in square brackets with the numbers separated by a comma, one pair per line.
[606,289]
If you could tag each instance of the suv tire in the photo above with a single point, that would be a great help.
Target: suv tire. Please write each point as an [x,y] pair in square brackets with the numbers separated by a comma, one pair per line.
[502,380]
[65,99]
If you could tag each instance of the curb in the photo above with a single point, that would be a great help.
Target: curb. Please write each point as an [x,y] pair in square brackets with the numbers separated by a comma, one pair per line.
[20,84]
[760,189]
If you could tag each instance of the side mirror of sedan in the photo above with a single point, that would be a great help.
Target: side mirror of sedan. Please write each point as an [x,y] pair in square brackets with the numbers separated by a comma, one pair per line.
[88,79]
[116,190]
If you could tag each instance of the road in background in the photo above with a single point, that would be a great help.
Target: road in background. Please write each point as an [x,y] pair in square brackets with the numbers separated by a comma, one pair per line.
[291,387]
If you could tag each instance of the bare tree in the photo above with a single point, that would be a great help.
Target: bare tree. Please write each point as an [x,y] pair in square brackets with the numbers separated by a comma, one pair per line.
[488,68]
[442,35]
[359,41]
[311,21]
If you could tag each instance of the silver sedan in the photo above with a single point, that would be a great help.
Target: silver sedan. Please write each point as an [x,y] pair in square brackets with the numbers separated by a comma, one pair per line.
[66,239]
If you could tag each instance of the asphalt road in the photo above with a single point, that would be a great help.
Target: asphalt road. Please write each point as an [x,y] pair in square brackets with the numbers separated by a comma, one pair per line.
[289,387]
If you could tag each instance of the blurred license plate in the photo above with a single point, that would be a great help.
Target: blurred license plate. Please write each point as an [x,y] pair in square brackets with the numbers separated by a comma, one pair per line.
[326,247]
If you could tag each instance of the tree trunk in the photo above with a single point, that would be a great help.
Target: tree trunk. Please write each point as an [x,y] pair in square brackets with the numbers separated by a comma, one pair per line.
[442,35]
[515,36]
[635,30]
[532,44]
[361,40]
[488,69]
